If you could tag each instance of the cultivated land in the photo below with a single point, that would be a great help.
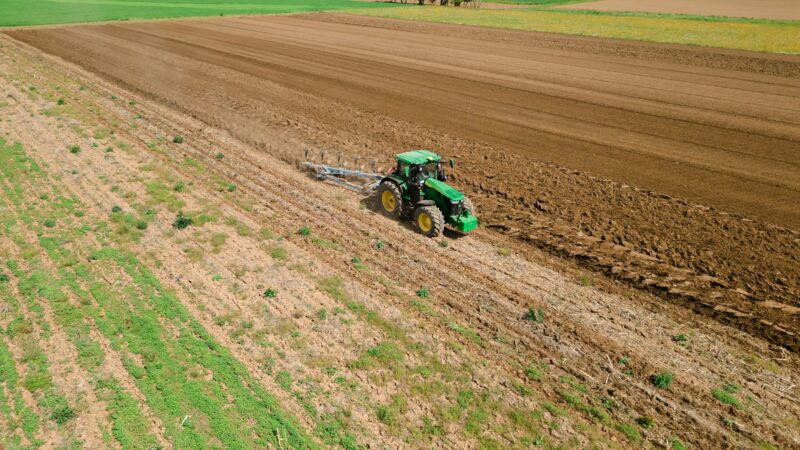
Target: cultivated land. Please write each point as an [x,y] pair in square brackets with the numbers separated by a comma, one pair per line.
[720,132]
[761,9]
[121,330]
[287,314]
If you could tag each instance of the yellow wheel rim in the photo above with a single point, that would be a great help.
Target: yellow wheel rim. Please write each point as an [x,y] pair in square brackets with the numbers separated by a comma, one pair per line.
[425,222]
[387,199]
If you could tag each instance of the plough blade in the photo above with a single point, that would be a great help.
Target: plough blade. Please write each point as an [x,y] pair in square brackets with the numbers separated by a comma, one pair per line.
[346,178]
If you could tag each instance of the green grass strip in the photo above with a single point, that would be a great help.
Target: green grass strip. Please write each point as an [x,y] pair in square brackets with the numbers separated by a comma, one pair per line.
[44,12]
[230,409]
[736,33]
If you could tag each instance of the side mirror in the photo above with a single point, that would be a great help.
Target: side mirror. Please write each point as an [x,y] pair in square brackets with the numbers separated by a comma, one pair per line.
[452,163]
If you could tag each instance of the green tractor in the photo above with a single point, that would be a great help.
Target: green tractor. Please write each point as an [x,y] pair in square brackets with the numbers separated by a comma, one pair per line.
[416,188]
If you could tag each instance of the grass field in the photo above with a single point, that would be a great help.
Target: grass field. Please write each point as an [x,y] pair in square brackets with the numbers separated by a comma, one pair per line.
[45,12]
[745,34]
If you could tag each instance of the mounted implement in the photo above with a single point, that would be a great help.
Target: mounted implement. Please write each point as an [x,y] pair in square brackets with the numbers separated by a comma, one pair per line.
[415,188]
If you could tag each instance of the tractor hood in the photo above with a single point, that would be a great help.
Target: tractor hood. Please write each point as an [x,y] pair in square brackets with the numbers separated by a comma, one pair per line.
[444,189]
[418,157]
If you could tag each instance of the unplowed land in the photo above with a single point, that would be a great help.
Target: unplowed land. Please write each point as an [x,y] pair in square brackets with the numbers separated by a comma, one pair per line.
[694,132]
[120,329]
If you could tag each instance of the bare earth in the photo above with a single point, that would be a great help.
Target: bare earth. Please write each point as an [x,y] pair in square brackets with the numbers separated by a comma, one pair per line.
[757,9]
[677,140]
[605,346]
[263,90]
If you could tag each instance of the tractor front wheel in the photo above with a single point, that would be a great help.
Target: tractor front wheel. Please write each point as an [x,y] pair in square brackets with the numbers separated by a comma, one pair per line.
[469,206]
[429,220]
[389,200]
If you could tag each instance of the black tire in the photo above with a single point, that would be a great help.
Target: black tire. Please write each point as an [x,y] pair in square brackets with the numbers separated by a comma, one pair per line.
[469,206]
[389,200]
[429,221]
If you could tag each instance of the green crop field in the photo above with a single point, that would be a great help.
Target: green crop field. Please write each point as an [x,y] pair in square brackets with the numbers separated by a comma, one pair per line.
[45,12]
[777,36]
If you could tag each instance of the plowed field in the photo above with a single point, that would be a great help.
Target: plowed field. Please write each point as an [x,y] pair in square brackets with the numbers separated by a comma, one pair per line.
[653,169]
[682,178]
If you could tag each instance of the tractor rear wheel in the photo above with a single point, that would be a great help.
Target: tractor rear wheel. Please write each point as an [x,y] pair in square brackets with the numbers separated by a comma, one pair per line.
[429,220]
[389,200]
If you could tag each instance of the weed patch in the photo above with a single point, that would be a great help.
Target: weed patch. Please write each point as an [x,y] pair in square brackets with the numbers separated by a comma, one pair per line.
[662,380]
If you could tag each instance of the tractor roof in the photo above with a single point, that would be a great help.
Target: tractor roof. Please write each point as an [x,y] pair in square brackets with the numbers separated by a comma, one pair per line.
[418,157]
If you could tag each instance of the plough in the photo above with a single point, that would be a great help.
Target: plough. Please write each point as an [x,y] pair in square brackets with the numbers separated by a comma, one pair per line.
[340,176]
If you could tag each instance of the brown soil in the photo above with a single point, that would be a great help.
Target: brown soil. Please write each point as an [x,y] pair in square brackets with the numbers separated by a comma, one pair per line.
[580,345]
[759,9]
[701,157]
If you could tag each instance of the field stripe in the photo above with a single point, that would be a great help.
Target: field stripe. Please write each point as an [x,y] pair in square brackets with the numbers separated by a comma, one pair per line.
[154,328]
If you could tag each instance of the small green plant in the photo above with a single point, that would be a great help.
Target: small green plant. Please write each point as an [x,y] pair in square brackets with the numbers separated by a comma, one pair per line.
[60,102]
[279,253]
[116,209]
[680,338]
[181,221]
[662,380]
[284,380]
[74,149]
[609,404]
[3,278]
[179,187]
[216,277]
[304,231]
[585,280]
[109,149]
[62,414]
[423,293]
[219,156]
[322,314]
[231,187]
[646,422]
[677,444]
[141,225]
[503,251]
[270,293]
[629,431]
[132,103]
[443,243]
[50,223]
[380,244]
[724,396]
[177,140]
[533,373]
[624,361]
[358,264]
[534,315]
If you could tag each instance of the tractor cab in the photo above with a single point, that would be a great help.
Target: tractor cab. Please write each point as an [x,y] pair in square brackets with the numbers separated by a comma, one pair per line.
[420,164]
[416,187]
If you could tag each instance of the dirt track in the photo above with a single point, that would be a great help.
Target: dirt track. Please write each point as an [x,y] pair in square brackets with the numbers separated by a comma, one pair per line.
[719,130]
